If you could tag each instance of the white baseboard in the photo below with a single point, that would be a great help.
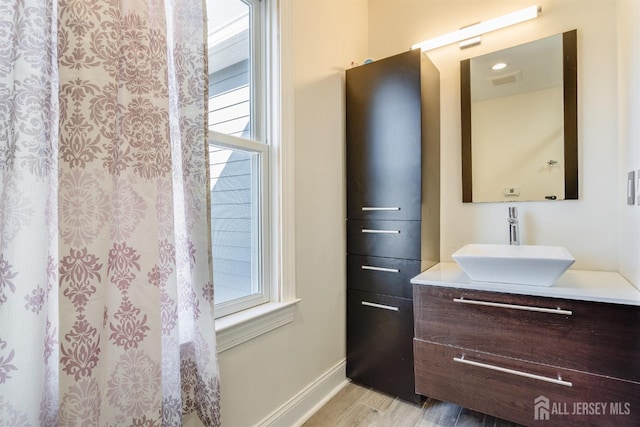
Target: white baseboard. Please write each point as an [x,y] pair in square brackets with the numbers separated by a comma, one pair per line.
[304,404]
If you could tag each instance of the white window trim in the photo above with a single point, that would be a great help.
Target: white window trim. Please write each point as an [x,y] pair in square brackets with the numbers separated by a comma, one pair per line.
[251,323]
[245,325]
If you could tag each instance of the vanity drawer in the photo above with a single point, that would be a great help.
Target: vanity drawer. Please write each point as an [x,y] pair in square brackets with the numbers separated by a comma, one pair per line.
[532,328]
[387,276]
[380,343]
[390,239]
[508,388]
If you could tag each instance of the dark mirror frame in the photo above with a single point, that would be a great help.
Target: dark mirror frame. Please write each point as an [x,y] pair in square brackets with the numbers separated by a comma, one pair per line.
[570,77]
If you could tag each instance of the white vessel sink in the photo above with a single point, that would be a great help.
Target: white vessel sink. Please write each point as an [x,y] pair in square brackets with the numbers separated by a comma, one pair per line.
[523,265]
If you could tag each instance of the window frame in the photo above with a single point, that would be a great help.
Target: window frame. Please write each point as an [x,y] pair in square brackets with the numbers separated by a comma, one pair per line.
[277,130]
[257,144]
[261,253]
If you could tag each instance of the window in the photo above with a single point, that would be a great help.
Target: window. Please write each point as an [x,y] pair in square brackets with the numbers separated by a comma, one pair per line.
[239,155]
[237,222]
[252,171]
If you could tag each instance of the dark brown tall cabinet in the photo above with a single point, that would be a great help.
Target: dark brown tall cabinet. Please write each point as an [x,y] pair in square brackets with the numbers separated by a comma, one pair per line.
[393,212]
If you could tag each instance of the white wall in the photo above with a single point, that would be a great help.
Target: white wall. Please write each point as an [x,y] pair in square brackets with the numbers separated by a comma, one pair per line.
[261,375]
[629,132]
[587,227]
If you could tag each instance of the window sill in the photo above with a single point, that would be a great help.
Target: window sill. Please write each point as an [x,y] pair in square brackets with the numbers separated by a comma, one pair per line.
[248,324]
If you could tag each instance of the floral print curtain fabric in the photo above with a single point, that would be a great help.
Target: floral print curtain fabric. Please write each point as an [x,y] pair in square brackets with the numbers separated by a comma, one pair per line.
[28,211]
[106,296]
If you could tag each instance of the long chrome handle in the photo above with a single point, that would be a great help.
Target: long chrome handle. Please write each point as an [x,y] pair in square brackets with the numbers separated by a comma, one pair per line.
[387,270]
[374,231]
[374,208]
[558,380]
[384,307]
[515,307]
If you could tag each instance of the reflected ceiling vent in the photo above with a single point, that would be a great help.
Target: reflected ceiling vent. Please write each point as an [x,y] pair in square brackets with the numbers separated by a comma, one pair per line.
[506,78]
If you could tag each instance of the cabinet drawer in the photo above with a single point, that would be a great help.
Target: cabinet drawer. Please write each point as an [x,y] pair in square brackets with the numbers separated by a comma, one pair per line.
[390,239]
[380,343]
[595,337]
[509,388]
[387,276]
[391,207]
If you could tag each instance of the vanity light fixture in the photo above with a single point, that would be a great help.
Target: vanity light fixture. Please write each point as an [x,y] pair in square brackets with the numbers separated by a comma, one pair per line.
[480,28]
[474,41]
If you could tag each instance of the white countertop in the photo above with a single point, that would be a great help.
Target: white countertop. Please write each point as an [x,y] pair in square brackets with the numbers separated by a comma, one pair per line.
[583,285]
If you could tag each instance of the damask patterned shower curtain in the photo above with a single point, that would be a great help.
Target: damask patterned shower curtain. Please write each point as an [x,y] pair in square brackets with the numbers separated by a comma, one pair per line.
[106,296]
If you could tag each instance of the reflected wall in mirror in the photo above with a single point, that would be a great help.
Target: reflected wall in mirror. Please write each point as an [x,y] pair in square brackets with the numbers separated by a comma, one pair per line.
[519,122]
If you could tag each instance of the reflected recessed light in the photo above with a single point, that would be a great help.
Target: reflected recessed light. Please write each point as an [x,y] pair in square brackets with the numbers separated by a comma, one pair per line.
[499,66]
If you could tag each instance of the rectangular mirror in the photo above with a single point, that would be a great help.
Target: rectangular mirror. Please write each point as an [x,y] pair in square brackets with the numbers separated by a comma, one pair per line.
[519,122]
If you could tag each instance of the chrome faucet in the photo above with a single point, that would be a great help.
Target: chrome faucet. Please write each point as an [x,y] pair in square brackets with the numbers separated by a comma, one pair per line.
[514,232]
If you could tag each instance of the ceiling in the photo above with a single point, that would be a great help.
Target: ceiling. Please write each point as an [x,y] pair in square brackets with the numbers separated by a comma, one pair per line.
[530,67]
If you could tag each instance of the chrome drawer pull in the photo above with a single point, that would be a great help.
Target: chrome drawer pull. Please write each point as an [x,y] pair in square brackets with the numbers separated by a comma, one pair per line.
[368,230]
[371,208]
[559,380]
[384,307]
[515,307]
[387,270]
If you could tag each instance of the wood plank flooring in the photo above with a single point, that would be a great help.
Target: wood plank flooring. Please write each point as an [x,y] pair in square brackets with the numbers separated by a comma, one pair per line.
[355,405]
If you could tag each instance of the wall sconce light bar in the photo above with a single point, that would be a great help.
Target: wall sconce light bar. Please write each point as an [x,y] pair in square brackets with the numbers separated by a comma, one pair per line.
[470,42]
[479,28]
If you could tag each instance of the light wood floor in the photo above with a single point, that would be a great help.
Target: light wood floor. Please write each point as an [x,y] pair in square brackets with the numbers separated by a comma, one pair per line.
[358,406]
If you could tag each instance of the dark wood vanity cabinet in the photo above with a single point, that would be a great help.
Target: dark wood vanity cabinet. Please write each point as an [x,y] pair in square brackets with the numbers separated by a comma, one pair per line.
[380,350]
[393,212]
[515,356]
